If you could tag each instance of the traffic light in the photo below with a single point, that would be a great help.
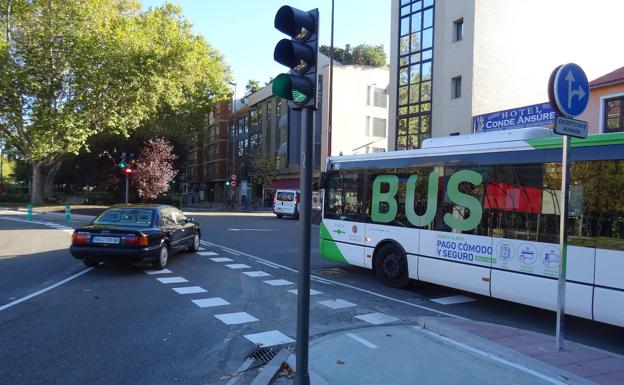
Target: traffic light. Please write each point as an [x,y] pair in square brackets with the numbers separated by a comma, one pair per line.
[300,54]
[122,161]
[227,183]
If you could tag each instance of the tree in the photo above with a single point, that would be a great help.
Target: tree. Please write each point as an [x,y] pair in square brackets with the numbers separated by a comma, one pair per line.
[253,86]
[363,54]
[73,69]
[265,168]
[154,168]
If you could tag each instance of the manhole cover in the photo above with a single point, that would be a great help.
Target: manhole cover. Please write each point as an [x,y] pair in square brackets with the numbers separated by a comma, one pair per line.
[335,272]
[263,355]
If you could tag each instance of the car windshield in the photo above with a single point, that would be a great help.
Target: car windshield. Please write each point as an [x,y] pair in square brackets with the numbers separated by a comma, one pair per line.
[126,217]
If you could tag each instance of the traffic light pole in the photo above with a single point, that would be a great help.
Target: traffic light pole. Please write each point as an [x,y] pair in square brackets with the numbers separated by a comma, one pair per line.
[302,376]
[126,187]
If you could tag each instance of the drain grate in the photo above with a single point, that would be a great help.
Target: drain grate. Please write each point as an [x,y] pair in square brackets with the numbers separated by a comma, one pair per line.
[263,355]
[335,272]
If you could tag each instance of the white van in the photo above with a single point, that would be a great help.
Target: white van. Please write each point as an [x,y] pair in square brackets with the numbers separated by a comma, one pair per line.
[286,202]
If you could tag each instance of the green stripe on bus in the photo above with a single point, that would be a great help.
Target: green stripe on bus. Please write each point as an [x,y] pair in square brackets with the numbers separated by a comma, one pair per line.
[591,140]
[329,250]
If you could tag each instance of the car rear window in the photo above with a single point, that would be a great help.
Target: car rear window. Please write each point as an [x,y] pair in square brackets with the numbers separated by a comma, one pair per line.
[285,196]
[126,217]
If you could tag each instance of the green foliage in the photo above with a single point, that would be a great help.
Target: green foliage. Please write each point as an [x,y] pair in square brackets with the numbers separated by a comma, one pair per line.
[363,54]
[265,168]
[72,69]
[253,86]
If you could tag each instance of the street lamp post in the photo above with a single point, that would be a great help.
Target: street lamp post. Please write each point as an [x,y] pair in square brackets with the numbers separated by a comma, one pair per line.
[233,170]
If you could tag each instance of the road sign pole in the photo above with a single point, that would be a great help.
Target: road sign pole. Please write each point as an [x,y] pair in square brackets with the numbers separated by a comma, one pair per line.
[302,377]
[563,240]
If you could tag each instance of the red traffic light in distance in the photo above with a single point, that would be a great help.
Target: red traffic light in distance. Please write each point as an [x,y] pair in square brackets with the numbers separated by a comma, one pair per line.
[128,170]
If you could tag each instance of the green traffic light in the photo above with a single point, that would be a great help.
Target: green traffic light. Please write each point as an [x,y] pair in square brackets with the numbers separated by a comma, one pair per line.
[121,165]
[298,89]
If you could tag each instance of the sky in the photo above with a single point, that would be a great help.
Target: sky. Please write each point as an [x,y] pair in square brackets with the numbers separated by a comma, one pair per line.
[243,31]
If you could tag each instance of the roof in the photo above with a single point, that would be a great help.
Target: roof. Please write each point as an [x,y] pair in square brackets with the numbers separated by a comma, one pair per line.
[615,77]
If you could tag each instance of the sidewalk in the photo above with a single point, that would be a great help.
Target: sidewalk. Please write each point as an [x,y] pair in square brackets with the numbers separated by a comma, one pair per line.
[449,351]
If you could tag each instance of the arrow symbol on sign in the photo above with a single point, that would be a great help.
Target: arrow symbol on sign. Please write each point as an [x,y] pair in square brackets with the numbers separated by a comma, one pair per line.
[579,92]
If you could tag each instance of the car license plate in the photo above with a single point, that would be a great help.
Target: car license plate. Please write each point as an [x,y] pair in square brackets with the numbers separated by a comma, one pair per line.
[97,239]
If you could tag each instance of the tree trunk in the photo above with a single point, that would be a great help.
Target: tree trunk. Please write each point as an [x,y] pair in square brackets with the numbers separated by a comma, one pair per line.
[48,180]
[36,192]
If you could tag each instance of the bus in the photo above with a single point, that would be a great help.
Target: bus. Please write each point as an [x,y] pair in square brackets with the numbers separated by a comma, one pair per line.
[480,213]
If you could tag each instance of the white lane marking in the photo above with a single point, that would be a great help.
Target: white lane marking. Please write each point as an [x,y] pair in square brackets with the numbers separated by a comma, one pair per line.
[270,338]
[268,264]
[162,271]
[222,259]
[172,280]
[278,282]
[236,318]
[491,356]
[10,304]
[210,302]
[312,292]
[376,318]
[370,292]
[452,300]
[189,290]
[337,303]
[201,249]
[362,341]
[231,252]
[256,274]
[207,253]
[320,280]
[238,266]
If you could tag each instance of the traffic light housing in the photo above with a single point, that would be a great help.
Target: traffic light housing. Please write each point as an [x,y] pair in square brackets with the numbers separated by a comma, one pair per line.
[300,54]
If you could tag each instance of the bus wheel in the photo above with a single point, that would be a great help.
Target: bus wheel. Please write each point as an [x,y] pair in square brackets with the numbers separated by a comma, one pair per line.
[391,266]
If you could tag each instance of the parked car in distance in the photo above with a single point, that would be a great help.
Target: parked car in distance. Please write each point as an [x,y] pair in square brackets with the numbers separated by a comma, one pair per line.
[286,202]
[135,233]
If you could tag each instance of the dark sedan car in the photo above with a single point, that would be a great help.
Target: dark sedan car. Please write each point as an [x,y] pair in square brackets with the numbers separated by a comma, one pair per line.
[135,233]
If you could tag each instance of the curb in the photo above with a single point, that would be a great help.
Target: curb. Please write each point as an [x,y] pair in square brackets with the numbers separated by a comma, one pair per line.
[444,329]
[60,215]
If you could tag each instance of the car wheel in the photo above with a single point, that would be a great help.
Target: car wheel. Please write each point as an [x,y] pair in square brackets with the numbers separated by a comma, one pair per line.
[391,266]
[163,258]
[279,216]
[195,245]
[89,263]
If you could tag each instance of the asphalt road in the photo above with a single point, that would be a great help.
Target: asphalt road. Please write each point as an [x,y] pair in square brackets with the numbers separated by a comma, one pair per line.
[120,325]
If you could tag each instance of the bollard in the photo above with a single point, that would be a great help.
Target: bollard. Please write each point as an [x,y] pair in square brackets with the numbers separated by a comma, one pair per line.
[29,215]
[68,212]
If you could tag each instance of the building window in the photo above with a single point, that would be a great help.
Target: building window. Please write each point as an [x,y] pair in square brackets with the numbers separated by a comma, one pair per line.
[456,87]
[376,97]
[614,114]
[458,30]
[379,149]
[416,23]
[379,127]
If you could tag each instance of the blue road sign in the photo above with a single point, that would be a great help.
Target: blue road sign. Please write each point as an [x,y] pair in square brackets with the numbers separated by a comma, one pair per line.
[569,90]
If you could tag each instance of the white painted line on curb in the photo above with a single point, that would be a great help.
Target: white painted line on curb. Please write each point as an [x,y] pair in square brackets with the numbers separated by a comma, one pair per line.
[162,271]
[337,303]
[238,266]
[256,274]
[206,253]
[492,357]
[271,338]
[210,302]
[452,300]
[312,292]
[10,304]
[362,341]
[222,259]
[236,318]
[172,280]
[189,290]
[370,292]
[278,282]
[376,318]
